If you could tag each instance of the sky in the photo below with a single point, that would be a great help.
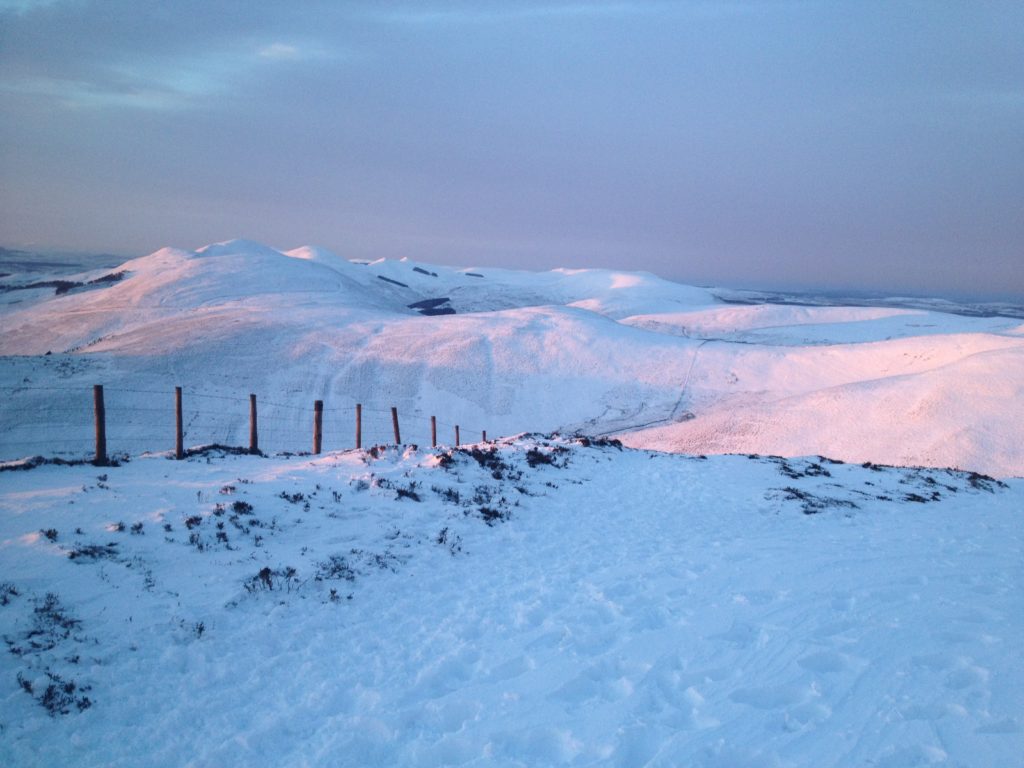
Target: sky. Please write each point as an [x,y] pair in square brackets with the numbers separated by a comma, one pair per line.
[799,144]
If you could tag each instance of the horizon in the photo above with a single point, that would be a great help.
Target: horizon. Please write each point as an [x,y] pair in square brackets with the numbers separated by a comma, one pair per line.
[772,292]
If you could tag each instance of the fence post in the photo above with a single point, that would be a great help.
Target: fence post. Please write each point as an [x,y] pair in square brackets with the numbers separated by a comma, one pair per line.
[101,425]
[457,442]
[179,442]
[394,423]
[433,432]
[359,426]
[254,435]
[485,436]
[318,423]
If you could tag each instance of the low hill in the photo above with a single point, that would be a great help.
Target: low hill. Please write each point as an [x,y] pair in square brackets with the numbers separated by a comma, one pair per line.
[659,364]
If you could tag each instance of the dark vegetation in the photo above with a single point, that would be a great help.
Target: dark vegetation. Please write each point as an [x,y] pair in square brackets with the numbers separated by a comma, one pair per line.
[59,696]
[218,449]
[490,459]
[51,624]
[453,542]
[914,485]
[41,461]
[809,469]
[535,457]
[428,303]
[408,492]
[350,566]
[334,568]
[7,592]
[90,553]
[65,286]
[812,504]
[271,579]
[599,442]
[984,482]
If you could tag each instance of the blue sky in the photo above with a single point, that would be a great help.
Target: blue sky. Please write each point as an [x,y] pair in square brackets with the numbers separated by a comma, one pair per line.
[847,145]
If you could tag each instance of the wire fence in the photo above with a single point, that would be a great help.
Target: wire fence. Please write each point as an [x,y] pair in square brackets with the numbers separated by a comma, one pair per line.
[58,421]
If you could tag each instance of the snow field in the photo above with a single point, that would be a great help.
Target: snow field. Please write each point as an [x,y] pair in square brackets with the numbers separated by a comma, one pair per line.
[600,607]
[662,365]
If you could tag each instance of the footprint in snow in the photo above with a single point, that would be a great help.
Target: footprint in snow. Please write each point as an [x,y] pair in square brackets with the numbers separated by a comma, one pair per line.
[743,634]
[771,697]
[967,677]
[824,662]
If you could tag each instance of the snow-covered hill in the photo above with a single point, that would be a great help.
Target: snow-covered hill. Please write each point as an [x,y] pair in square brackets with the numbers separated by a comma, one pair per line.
[537,602]
[659,364]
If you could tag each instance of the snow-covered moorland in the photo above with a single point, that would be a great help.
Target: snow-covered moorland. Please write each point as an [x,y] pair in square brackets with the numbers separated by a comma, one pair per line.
[658,364]
[542,601]
[539,600]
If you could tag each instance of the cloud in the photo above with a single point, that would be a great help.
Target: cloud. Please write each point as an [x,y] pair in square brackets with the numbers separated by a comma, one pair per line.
[159,83]
[306,51]
[483,13]
[24,6]
[76,94]
[125,54]
[280,51]
[480,13]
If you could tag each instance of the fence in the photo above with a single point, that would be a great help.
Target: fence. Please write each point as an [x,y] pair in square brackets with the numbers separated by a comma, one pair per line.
[64,420]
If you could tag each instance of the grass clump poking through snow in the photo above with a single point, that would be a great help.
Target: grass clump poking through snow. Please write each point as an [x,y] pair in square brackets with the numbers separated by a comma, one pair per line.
[51,624]
[537,456]
[336,567]
[408,492]
[813,504]
[59,696]
[269,580]
[7,591]
[89,553]
[491,460]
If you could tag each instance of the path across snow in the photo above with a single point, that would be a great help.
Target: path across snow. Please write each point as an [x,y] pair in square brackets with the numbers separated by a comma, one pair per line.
[611,607]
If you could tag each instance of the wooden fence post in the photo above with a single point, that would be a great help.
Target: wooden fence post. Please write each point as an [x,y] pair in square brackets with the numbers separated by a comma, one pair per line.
[359,425]
[394,423]
[254,435]
[485,435]
[318,423]
[433,432]
[457,442]
[101,425]
[179,437]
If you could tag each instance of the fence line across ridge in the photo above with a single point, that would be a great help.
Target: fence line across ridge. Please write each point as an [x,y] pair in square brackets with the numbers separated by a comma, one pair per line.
[106,424]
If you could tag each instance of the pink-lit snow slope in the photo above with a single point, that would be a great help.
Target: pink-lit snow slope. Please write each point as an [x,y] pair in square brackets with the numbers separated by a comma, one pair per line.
[659,364]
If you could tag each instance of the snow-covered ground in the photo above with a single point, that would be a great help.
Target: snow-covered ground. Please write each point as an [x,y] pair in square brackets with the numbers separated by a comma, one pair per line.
[540,602]
[658,364]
